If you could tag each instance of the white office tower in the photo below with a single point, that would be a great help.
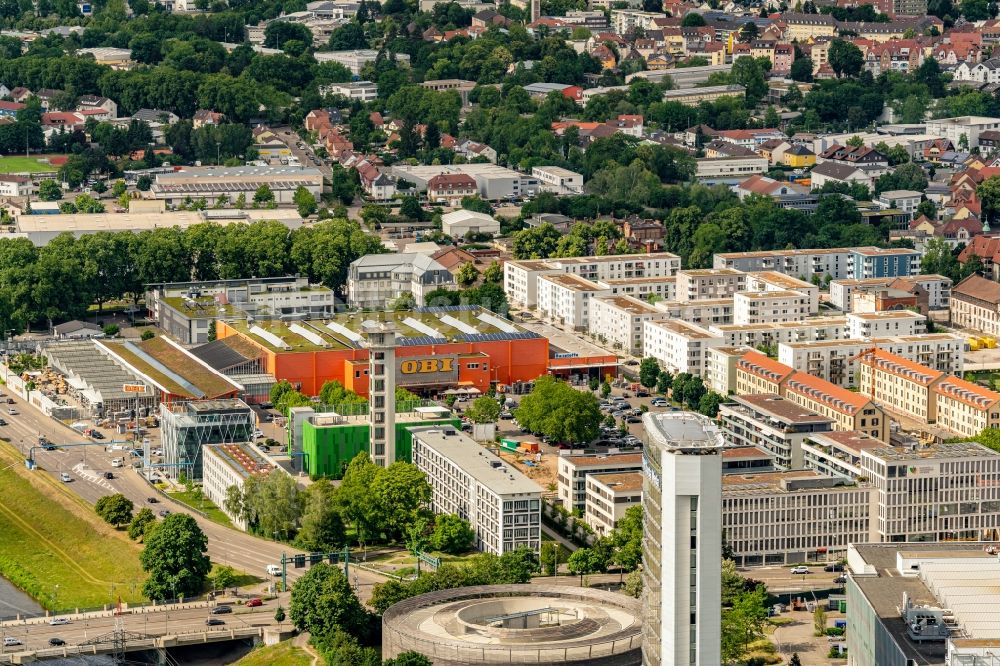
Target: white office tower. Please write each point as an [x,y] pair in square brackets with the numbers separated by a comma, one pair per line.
[382,390]
[682,543]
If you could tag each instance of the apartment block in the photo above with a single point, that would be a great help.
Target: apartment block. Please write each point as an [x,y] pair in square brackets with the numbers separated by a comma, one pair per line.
[773,424]
[775,281]
[502,505]
[966,408]
[572,473]
[565,299]
[937,288]
[868,325]
[792,516]
[521,277]
[836,361]
[849,410]
[661,288]
[618,321]
[899,385]
[746,459]
[838,453]
[975,304]
[837,263]
[678,345]
[608,497]
[702,284]
[775,333]
[375,280]
[757,307]
[709,312]
[720,368]
[759,374]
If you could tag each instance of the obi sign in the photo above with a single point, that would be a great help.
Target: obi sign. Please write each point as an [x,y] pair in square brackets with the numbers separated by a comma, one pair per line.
[413,371]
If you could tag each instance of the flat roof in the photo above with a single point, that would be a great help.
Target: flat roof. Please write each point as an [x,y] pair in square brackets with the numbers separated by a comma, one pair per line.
[786,281]
[775,294]
[611,459]
[780,408]
[886,314]
[620,482]
[241,458]
[684,328]
[854,440]
[711,272]
[571,281]
[942,450]
[630,304]
[813,322]
[486,467]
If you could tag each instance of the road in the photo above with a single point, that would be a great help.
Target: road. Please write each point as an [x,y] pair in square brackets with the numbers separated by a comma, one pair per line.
[305,154]
[176,621]
[86,466]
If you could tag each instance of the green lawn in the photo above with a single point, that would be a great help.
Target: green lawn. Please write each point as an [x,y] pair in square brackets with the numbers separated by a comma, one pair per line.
[195,500]
[282,654]
[55,548]
[14,164]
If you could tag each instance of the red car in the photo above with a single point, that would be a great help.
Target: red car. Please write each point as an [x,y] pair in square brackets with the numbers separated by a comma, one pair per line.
[253,603]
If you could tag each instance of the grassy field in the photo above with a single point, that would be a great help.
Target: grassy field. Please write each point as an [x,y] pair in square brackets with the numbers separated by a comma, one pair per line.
[14,164]
[195,500]
[282,654]
[55,548]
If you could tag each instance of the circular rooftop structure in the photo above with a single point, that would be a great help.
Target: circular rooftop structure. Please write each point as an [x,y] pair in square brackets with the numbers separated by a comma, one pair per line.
[517,624]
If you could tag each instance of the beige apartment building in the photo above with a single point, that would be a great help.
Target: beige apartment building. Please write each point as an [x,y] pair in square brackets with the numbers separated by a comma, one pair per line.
[775,281]
[757,374]
[975,304]
[572,473]
[849,410]
[777,332]
[900,385]
[706,283]
[966,408]
[608,497]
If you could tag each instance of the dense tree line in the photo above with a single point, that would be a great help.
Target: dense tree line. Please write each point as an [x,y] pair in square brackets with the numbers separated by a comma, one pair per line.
[60,280]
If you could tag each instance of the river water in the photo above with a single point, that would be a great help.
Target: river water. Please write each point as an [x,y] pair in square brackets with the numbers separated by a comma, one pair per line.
[14,601]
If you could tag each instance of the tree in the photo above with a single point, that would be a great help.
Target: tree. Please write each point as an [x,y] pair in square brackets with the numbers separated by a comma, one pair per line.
[224,576]
[410,208]
[627,539]
[279,614]
[709,403]
[551,554]
[559,411]
[938,259]
[605,389]
[304,201]
[115,509]
[743,623]
[334,393]
[484,410]
[322,526]
[452,534]
[975,10]
[633,584]
[140,523]
[49,190]
[649,372]
[845,58]
[802,70]
[586,561]
[175,559]
[323,602]
[477,205]
[149,335]
[401,492]
[989,195]
[663,382]
[692,20]
[263,196]
[467,275]
[795,661]
[110,330]
[408,658]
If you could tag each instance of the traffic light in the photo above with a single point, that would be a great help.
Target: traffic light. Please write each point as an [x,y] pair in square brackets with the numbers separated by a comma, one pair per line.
[315,558]
[300,561]
[334,558]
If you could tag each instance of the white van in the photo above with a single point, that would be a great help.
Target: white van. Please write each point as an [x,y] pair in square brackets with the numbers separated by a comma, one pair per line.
[117,462]
[273,570]
[10,640]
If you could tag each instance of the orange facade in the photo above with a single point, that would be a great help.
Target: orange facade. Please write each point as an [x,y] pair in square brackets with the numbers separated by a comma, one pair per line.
[479,363]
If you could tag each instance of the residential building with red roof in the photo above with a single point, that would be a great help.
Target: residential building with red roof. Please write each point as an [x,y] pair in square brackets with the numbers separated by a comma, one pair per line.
[849,410]
[899,384]
[966,408]
[451,188]
[757,373]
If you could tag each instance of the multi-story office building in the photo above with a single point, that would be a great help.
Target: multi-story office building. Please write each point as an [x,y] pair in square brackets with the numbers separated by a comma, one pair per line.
[682,540]
[899,385]
[565,299]
[618,321]
[375,280]
[521,277]
[793,516]
[677,345]
[608,497]
[775,281]
[701,284]
[772,424]
[966,408]
[185,428]
[969,127]
[746,460]
[867,325]
[757,307]
[503,506]
[228,465]
[775,333]
[836,361]
[849,410]
[572,473]
[558,180]
[837,263]
[364,91]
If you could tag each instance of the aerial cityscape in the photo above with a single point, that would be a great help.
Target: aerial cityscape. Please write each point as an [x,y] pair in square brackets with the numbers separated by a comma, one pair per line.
[472,332]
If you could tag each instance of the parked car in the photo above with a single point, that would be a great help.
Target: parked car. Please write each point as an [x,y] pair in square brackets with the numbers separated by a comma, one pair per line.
[96,434]
[2,422]
[214,621]
[56,642]
[222,610]
[253,603]
[634,419]
[800,570]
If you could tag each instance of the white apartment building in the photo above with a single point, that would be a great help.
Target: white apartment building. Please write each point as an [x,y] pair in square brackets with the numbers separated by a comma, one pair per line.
[899,385]
[558,180]
[775,281]
[757,307]
[975,304]
[682,540]
[565,299]
[729,169]
[954,129]
[837,263]
[709,283]
[356,59]
[677,345]
[520,280]
[618,321]
[838,453]
[662,288]
[375,280]
[773,424]
[572,473]
[609,496]
[228,465]
[836,361]
[903,200]
[364,91]
[775,333]
[938,288]
[709,312]
[788,517]
[16,186]
[966,408]
[720,368]
[502,505]
[869,325]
